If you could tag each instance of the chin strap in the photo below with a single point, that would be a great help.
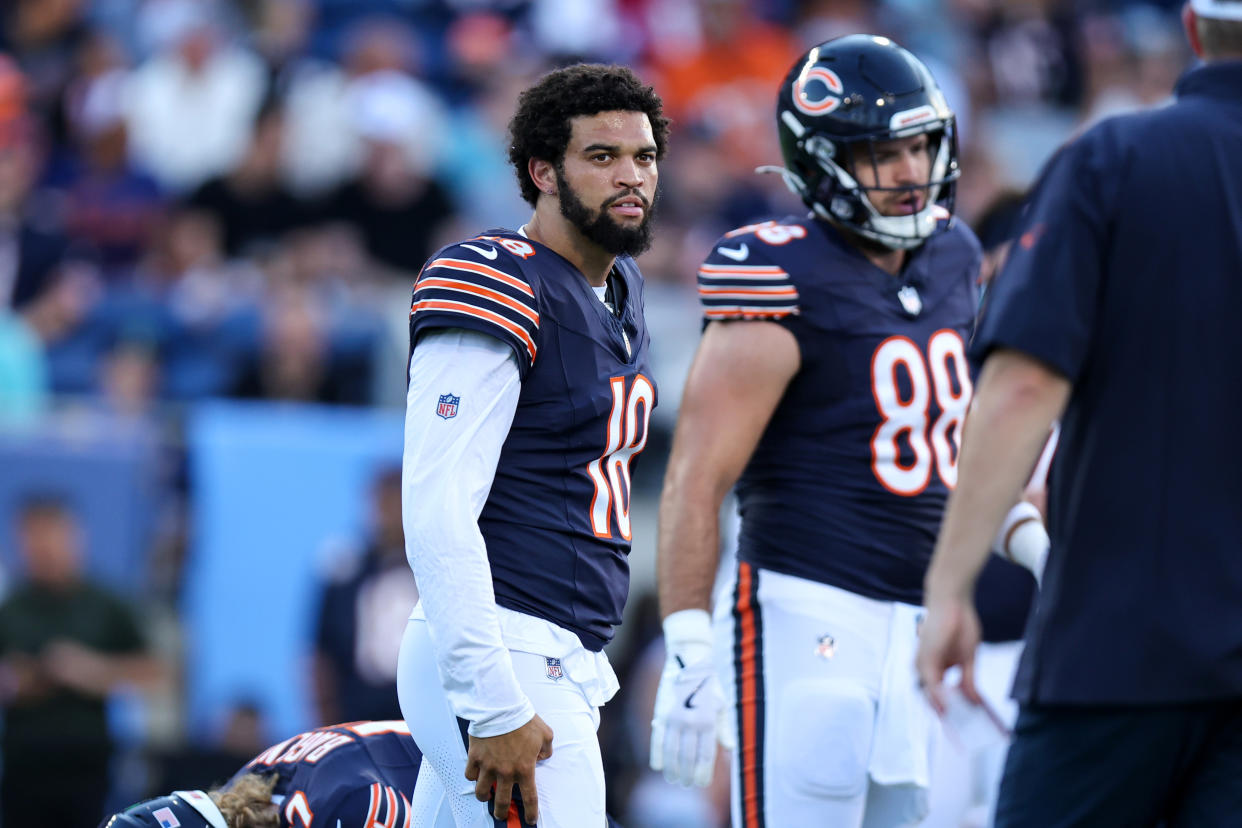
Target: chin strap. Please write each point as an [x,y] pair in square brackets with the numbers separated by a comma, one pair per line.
[879,227]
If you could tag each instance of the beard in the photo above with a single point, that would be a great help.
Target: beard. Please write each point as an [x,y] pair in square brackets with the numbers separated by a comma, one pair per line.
[600,228]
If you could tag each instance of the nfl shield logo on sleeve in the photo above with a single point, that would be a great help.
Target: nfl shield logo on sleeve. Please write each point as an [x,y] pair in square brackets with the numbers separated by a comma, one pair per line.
[447,407]
[554,668]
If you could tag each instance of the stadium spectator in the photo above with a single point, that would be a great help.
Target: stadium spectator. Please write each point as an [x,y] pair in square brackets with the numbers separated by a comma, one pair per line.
[250,202]
[1130,680]
[191,105]
[394,201]
[26,334]
[374,83]
[722,79]
[43,38]
[296,360]
[65,645]
[94,190]
[31,253]
[364,603]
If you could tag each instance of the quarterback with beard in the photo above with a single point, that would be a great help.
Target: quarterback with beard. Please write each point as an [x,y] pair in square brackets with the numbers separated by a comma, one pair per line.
[530,393]
[830,386]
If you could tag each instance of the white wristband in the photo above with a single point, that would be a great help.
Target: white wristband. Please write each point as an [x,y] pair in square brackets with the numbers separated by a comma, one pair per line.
[1028,547]
[1021,511]
[688,635]
[1023,539]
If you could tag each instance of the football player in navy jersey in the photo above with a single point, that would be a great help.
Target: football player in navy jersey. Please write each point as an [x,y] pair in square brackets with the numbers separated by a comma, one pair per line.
[357,774]
[530,392]
[830,385]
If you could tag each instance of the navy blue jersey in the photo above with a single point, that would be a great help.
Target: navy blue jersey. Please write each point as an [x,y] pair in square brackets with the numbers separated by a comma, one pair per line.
[1127,279]
[557,519]
[849,480]
[346,776]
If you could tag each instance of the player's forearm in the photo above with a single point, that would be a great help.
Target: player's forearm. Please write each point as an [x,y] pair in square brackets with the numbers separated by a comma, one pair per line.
[689,542]
[449,560]
[737,380]
[1015,403]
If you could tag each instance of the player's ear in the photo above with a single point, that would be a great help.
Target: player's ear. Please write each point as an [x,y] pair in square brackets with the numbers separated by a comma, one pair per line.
[543,173]
[1191,23]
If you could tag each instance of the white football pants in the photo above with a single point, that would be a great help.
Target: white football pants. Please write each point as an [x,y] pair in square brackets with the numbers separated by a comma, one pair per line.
[570,782]
[831,726]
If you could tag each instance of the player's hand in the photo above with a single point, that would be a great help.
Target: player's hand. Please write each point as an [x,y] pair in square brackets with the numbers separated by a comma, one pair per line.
[77,667]
[507,760]
[690,704]
[949,636]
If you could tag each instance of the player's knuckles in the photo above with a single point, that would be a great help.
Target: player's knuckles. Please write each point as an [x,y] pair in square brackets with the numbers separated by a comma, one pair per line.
[812,714]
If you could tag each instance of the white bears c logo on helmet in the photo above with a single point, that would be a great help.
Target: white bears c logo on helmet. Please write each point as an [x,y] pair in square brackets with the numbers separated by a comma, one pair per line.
[821,104]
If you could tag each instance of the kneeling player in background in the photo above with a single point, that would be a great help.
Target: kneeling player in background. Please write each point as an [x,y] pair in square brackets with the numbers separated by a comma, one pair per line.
[353,774]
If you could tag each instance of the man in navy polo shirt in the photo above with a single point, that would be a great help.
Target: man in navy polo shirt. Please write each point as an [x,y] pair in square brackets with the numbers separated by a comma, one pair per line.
[1119,307]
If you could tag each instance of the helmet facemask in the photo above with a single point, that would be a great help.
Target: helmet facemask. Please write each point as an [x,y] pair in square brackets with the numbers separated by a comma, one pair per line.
[826,185]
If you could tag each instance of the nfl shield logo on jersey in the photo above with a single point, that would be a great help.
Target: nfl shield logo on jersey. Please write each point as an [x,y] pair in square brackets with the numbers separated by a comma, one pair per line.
[554,668]
[447,407]
[910,300]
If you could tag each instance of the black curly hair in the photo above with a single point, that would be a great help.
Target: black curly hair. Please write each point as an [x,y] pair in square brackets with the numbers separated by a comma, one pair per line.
[540,128]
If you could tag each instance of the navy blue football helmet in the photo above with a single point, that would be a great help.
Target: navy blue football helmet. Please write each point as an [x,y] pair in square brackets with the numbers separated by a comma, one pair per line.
[839,100]
[189,809]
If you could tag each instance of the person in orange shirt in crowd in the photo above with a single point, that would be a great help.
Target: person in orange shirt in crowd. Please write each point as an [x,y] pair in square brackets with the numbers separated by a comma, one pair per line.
[726,79]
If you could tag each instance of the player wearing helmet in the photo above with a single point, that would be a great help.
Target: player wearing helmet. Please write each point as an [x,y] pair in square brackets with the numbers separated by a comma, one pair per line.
[830,385]
[846,106]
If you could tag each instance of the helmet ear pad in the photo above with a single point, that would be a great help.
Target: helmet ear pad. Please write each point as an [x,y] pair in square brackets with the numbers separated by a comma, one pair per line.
[832,192]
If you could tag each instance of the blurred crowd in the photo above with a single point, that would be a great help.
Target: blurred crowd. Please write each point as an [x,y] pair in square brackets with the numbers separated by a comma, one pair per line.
[206,199]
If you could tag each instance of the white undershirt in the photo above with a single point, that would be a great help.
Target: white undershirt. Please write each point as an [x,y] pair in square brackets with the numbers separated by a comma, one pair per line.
[448,468]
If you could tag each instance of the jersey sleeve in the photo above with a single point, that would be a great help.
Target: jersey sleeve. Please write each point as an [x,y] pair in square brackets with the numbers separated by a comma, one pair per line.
[737,282]
[462,287]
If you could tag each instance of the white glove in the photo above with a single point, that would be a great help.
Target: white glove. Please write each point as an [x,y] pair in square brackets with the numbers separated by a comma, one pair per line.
[690,704]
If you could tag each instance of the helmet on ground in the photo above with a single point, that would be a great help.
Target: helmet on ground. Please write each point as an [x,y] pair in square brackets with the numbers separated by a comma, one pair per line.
[838,101]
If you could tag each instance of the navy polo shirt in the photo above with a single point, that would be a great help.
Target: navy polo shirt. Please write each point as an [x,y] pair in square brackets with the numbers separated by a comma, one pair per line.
[1127,279]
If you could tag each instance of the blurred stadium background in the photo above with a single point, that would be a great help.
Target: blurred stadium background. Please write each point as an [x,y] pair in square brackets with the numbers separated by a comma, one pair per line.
[211,212]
